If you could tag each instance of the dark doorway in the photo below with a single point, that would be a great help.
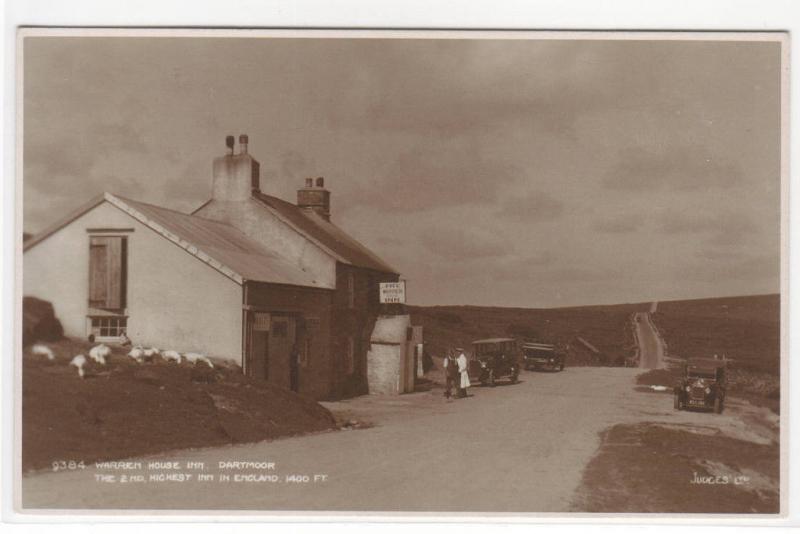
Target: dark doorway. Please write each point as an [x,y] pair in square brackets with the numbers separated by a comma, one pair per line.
[272,349]
[258,354]
[281,345]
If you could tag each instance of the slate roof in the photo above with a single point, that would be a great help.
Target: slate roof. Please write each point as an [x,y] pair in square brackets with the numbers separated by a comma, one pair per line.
[330,236]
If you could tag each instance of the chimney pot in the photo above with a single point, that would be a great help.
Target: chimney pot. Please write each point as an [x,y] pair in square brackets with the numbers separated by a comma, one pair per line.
[229,140]
[317,199]
[243,139]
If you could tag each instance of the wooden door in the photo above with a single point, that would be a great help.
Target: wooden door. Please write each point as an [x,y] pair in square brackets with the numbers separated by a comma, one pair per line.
[258,350]
[282,350]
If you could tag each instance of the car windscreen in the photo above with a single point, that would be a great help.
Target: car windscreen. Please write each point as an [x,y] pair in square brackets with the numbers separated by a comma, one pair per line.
[701,373]
[488,348]
[538,353]
[485,349]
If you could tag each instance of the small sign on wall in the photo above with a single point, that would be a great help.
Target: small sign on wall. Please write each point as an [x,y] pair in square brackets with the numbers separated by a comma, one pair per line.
[261,322]
[393,292]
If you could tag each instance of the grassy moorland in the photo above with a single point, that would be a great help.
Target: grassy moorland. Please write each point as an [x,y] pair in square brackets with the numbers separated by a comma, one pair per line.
[607,328]
[744,329]
[652,468]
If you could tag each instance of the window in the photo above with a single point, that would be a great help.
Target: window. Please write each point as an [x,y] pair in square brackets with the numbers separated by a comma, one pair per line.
[350,357]
[108,272]
[280,328]
[351,291]
[106,327]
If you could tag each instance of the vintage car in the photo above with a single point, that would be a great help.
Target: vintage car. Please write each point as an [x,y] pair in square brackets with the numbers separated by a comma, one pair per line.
[542,356]
[493,359]
[702,385]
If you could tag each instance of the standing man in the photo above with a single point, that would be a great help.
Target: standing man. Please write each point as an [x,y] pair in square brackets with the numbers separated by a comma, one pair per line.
[462,369]
[451,373]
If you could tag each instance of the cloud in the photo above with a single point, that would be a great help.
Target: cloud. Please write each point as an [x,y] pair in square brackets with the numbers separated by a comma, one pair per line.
[746,270]
[64,157]
[189,189]
[459,243]
[293,164]
[675,168]
[453,86]
[723,229]
[524,268]
[533,206]
[618,224]
[119,137]
[283,174]
[426,178]
[428,147]
[52,159]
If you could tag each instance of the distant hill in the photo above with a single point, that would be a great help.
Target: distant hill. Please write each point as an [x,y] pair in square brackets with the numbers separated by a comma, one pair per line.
[743,328]
[746,329]
[607,328]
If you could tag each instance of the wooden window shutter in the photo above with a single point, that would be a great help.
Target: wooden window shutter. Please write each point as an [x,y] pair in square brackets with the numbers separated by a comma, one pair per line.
[106,267]
[98,265]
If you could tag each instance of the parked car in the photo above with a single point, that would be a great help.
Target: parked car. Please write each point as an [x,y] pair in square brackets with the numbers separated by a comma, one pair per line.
[542,356]
[493,359]
[703,385]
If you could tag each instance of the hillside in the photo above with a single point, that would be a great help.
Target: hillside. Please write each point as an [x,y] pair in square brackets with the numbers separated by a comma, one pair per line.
[124,409]
[744,329]
[607,328]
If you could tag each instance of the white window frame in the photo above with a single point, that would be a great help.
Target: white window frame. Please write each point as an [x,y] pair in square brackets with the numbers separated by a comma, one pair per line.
[90,329]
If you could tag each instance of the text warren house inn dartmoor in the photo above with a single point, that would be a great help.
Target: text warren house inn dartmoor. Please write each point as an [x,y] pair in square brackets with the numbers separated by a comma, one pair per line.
[274,286]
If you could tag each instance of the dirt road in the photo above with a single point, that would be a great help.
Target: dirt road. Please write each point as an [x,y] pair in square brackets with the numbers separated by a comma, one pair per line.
[510,448]
[651,347]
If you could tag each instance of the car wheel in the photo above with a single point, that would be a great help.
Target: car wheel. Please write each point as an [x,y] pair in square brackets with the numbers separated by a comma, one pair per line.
[561,367]
[515,376]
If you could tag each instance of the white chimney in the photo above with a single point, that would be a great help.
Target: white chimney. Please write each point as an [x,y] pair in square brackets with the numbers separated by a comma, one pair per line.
[236,176]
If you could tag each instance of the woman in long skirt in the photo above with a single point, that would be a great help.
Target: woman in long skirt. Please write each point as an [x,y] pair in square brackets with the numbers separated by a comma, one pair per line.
[462,369]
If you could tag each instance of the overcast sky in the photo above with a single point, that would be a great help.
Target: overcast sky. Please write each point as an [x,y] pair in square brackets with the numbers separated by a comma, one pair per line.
[490,172]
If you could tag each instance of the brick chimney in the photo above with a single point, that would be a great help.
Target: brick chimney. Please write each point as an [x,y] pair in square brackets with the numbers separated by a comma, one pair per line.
[236,176]
[315,197]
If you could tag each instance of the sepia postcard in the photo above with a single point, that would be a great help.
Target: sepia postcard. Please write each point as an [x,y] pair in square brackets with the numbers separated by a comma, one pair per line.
[466,274]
